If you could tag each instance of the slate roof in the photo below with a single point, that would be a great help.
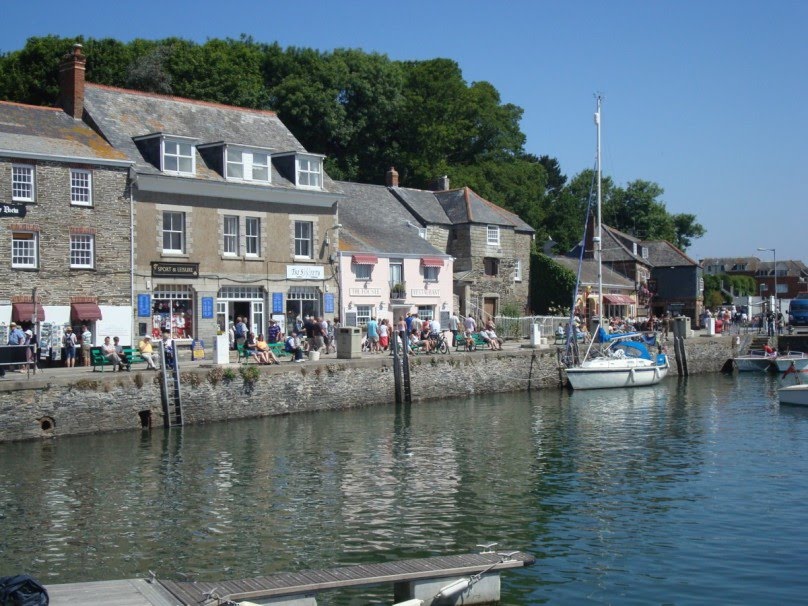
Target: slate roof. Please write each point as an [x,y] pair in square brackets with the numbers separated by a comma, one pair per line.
[122,114]
[589,273]
[374,221]
[423,204]
[456,206]
[50,131]
[464,205]
[662,253]
[730,262]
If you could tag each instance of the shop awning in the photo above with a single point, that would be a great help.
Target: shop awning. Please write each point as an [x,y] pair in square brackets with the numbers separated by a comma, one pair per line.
[85,312]
[24,312]
[431,262]
[365,259]
[618,299]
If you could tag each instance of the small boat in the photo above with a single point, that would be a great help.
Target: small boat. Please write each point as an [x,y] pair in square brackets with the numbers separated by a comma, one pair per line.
[755,360]
[794,394]
[618,360]
[797,358]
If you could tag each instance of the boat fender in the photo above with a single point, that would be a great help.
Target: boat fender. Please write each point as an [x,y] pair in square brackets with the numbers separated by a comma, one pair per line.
[631,375]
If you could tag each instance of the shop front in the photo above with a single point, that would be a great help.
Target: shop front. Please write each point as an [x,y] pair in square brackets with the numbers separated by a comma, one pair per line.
[237,301]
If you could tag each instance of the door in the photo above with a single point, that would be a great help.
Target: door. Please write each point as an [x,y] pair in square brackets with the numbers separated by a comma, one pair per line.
[490,307]
[257,317]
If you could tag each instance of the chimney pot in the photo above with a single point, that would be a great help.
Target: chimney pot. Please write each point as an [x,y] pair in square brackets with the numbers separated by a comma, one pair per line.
[71,82]
[439,183]
[392,177]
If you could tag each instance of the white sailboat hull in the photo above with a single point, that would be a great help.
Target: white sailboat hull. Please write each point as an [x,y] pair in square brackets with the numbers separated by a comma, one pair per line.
[794,394]
[605,373]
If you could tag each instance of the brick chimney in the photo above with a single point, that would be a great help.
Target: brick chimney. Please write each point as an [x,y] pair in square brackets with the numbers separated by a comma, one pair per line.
[71,82]
[439,183]
[392,177]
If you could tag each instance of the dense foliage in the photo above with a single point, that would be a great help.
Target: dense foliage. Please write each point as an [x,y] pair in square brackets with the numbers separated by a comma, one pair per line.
[551,286]
[723,288]
[366,113]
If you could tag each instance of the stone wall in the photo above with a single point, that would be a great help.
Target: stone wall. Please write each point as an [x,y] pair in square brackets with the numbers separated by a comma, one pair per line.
[95,402]
[52,216]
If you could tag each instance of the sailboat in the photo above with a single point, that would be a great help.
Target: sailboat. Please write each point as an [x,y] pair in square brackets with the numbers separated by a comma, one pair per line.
[613,360]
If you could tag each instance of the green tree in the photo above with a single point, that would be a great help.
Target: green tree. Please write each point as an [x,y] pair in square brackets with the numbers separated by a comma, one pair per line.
[687,229]
[635,210]
[551,286]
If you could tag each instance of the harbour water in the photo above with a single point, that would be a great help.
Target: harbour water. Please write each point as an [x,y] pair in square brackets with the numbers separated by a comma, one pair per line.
[689,492]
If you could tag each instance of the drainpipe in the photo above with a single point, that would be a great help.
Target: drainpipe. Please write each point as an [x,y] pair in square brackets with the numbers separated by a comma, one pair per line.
[132,257]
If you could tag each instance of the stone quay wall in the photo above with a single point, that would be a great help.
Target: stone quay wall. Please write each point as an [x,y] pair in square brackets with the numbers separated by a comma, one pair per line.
[45,407]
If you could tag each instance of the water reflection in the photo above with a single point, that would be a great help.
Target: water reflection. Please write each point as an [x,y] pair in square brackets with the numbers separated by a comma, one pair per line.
[623,496]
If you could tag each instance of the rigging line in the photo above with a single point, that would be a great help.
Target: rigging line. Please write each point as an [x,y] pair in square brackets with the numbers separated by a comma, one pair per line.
[572,344]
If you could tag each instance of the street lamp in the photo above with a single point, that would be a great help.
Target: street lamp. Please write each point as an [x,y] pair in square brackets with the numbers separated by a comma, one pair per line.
[774,255]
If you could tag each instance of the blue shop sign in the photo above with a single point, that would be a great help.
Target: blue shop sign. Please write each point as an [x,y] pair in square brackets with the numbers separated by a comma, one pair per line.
[144,306]
[328,303]
[277,302]
[207,308]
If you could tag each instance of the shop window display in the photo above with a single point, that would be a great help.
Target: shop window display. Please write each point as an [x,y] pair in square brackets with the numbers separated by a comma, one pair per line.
[173,311]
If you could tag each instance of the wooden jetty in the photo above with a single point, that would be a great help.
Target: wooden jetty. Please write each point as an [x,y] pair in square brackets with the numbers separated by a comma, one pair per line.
[472,577]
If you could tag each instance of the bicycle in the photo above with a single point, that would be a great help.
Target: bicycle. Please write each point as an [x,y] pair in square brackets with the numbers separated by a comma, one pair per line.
[439,344]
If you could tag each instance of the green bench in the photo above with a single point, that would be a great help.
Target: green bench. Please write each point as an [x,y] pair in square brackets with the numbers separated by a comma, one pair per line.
[130,356]
[477,342]
[245,355]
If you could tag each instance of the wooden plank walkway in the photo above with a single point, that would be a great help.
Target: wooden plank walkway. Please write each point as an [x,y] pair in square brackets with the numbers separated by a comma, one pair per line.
[132,592]
[294,583]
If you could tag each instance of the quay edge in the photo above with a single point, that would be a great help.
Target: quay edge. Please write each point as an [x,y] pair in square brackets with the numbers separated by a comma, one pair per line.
[48,406]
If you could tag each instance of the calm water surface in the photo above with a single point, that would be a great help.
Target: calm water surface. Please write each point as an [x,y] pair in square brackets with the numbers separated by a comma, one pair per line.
[689,492]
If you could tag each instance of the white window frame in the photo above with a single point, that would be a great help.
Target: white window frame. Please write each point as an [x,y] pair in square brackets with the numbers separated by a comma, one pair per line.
[310,167]
[252,236]
[170,230]
[363,272]
[644,252]
[23,183]
[82,246]
[363,314]
[517,271]
[230,235]
[422,232]
[431,274]
[17,251]
[178,156]
[492,235]
[250,164]
[426,312]
[307,240]
[81,187]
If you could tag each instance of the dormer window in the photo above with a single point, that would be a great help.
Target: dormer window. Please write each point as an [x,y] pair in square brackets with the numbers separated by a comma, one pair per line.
[178,157]
[247,165]
[309,171]
[169,153]
[644,252]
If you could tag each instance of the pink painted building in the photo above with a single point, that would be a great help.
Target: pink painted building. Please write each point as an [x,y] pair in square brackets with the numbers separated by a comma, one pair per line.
[386,266]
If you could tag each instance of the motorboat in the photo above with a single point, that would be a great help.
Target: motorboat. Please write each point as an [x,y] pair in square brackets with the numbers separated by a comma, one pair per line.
[794,394]
[756,360]
[797,358]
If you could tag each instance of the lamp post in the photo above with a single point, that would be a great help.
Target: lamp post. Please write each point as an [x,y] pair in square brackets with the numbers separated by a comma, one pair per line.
[774,255]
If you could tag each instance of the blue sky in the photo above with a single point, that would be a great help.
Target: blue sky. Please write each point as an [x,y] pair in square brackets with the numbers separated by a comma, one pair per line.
[704,98]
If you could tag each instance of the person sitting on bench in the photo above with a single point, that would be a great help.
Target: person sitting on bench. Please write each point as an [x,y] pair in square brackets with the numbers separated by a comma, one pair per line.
[108,350]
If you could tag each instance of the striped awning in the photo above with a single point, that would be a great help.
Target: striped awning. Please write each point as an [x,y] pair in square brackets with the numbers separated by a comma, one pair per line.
[431,262]
[24,312]
[365,259]
[612,299]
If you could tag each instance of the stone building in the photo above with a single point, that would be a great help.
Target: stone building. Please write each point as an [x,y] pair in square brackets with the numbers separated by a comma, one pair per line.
[233,217]
[490,245]
[65,218]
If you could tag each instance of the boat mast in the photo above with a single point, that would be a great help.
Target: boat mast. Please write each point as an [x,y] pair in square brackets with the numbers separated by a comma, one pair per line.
[596,239]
